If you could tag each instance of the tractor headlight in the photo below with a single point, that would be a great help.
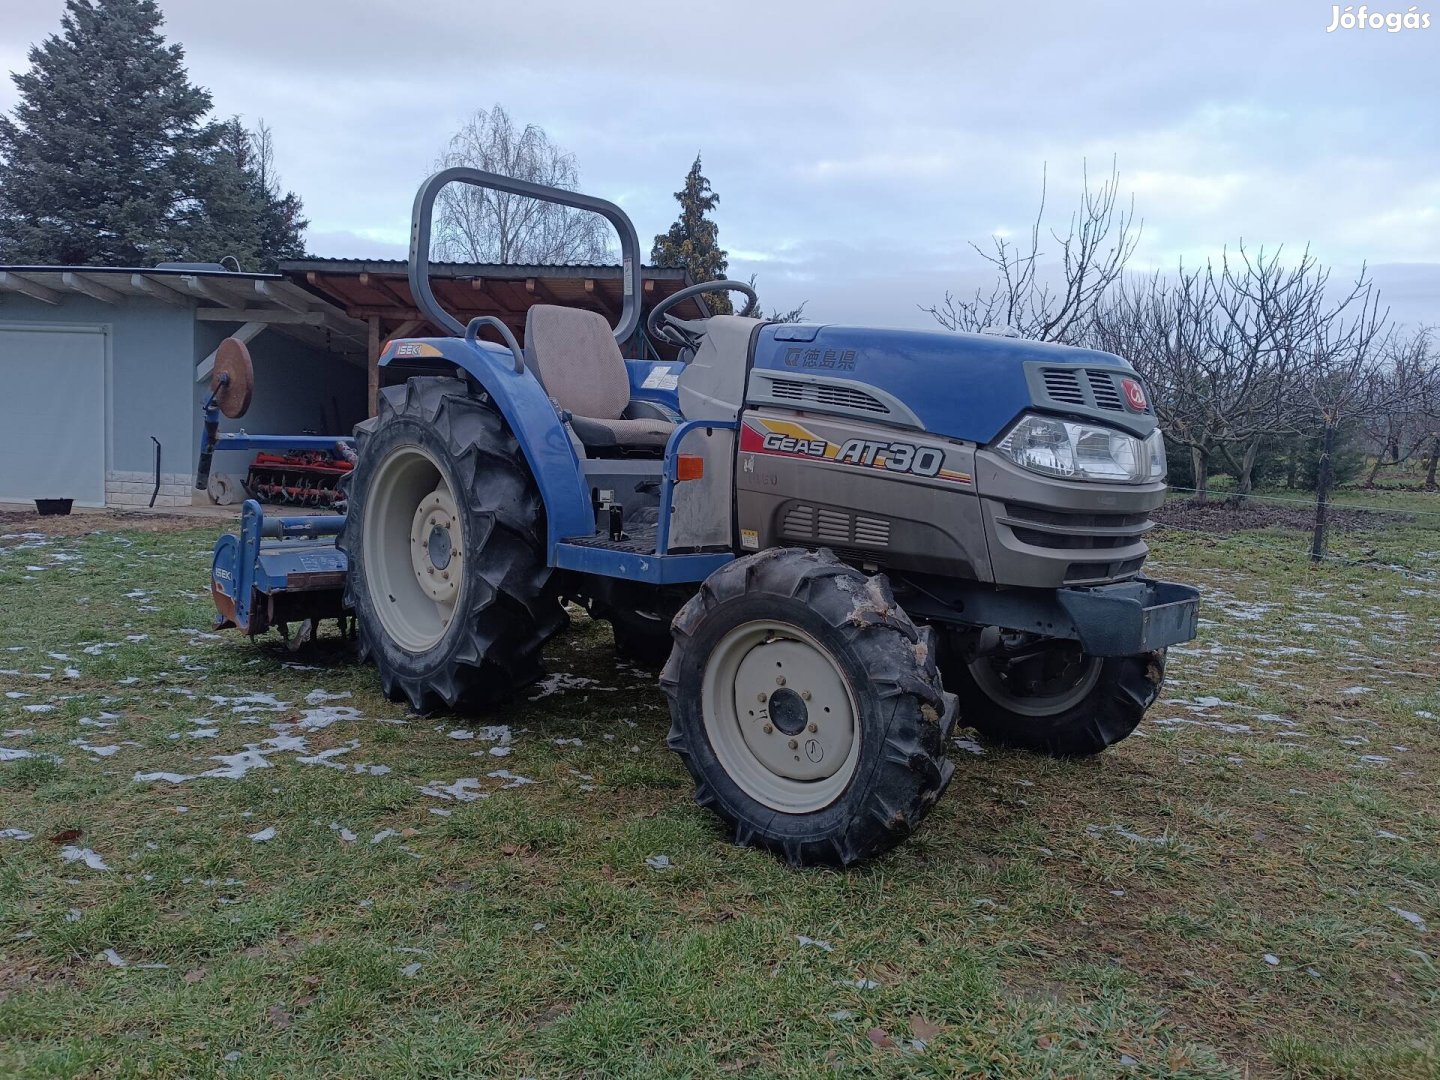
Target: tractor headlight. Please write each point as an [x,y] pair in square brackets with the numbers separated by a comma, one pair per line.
[1078,451]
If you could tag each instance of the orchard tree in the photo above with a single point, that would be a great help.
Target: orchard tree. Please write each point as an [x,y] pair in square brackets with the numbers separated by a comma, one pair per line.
[1091,253]
[1410,377]
[107,145]
[1165,325]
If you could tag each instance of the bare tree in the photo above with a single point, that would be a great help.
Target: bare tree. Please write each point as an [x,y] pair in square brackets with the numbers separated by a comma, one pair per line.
[1091,254]
[1257,352]
[1238,353]
[1166,326]
[262,150]
[1343,345]
[1410,377]
[478,225]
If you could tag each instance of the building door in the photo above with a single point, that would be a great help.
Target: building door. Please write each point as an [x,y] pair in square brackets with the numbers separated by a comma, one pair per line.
[52,415]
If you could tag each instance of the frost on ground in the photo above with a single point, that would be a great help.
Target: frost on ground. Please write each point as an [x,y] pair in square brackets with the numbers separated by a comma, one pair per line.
[257,755]
[70,853]
[1255,690]
[1097,831]
[562,681]
[465,789]
[1412,918]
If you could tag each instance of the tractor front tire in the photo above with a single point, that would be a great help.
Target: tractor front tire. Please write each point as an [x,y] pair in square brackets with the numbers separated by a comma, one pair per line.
[1098,705]
[807,707]
[445,538]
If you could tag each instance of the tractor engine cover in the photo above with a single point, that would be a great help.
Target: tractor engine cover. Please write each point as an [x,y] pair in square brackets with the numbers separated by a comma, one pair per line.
[872,443]
[959,386]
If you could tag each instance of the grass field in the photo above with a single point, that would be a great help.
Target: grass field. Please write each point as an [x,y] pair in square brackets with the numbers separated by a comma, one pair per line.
[219,858]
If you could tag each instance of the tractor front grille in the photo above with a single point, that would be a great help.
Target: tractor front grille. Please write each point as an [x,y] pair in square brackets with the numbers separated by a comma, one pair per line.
[1082,573]
[1095,388]
[1102,385]
[1064,531]
[1104,547]
[1063,386]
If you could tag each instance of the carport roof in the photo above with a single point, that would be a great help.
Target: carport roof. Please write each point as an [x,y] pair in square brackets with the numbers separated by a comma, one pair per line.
[371,288]
[216,294]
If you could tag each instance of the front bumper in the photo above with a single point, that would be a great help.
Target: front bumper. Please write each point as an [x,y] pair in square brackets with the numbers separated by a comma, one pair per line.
[1131,617]
[1120,619]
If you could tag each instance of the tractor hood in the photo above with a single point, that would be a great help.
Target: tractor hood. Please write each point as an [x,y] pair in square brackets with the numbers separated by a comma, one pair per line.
[961,386]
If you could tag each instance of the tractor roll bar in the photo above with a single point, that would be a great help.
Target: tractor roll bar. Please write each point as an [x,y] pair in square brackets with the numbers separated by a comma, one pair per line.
[420,223]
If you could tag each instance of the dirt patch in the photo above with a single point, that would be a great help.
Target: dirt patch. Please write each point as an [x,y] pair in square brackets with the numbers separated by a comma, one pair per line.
[16,521]
[1222,516]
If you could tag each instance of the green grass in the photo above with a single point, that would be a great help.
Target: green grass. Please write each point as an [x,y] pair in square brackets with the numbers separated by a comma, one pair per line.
[1019,941]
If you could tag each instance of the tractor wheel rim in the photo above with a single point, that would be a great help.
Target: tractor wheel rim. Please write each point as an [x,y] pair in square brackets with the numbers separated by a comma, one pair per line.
[780,717]
[413,548]
[1055,697]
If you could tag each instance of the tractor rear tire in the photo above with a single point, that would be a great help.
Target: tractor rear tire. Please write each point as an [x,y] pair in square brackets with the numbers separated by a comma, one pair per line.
[452,621]
[1104,706]
[808,708]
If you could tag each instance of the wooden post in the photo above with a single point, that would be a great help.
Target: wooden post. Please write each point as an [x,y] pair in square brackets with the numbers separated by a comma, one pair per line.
[374,365]
[1322,492]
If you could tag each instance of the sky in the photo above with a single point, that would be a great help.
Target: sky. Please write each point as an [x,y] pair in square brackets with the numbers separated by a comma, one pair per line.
[859,148]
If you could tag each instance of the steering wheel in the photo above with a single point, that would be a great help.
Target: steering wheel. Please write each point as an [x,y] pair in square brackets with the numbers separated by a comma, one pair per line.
[661,324]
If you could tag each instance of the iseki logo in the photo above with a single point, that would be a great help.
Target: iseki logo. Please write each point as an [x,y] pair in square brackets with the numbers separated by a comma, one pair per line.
[1362,18]
[1134,394]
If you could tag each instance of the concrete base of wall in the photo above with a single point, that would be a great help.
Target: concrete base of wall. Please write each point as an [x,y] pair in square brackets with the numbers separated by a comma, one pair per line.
[135,488]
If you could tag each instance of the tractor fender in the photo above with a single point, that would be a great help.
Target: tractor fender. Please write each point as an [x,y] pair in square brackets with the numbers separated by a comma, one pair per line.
[531,416]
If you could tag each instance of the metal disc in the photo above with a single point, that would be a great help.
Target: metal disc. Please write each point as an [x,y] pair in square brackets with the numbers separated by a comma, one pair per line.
[233,358]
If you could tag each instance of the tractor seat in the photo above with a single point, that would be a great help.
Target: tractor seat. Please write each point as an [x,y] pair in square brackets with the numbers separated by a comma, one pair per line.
[578,361]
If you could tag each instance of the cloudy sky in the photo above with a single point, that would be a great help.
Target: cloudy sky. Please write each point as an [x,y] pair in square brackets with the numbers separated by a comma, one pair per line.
[858,147]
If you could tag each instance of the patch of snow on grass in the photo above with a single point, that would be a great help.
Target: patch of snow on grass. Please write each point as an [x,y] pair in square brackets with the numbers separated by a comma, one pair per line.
[465,789]
[71,853]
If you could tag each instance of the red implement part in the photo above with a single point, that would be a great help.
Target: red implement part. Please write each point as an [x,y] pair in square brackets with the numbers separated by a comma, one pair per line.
[304,478]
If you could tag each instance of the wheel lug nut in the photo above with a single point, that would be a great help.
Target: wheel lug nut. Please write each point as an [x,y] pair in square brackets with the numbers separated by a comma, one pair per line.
[812,728]
[430,569]
[768,729]
[794,745]
[760,696]
[779,680]
[805,694]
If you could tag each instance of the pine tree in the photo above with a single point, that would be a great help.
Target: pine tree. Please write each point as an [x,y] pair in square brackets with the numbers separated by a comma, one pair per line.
[107,143]
[694,240]
[240,210]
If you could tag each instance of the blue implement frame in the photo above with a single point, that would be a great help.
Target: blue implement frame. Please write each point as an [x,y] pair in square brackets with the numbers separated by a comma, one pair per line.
[273,556]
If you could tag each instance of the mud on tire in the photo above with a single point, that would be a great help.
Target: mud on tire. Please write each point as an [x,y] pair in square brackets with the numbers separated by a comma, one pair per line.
[901,717]
[507,607]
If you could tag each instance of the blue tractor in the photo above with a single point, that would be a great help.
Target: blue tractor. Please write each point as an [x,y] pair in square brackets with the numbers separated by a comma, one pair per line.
[834,539]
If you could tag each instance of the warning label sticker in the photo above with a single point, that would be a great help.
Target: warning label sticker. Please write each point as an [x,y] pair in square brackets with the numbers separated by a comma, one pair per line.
[661,378]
